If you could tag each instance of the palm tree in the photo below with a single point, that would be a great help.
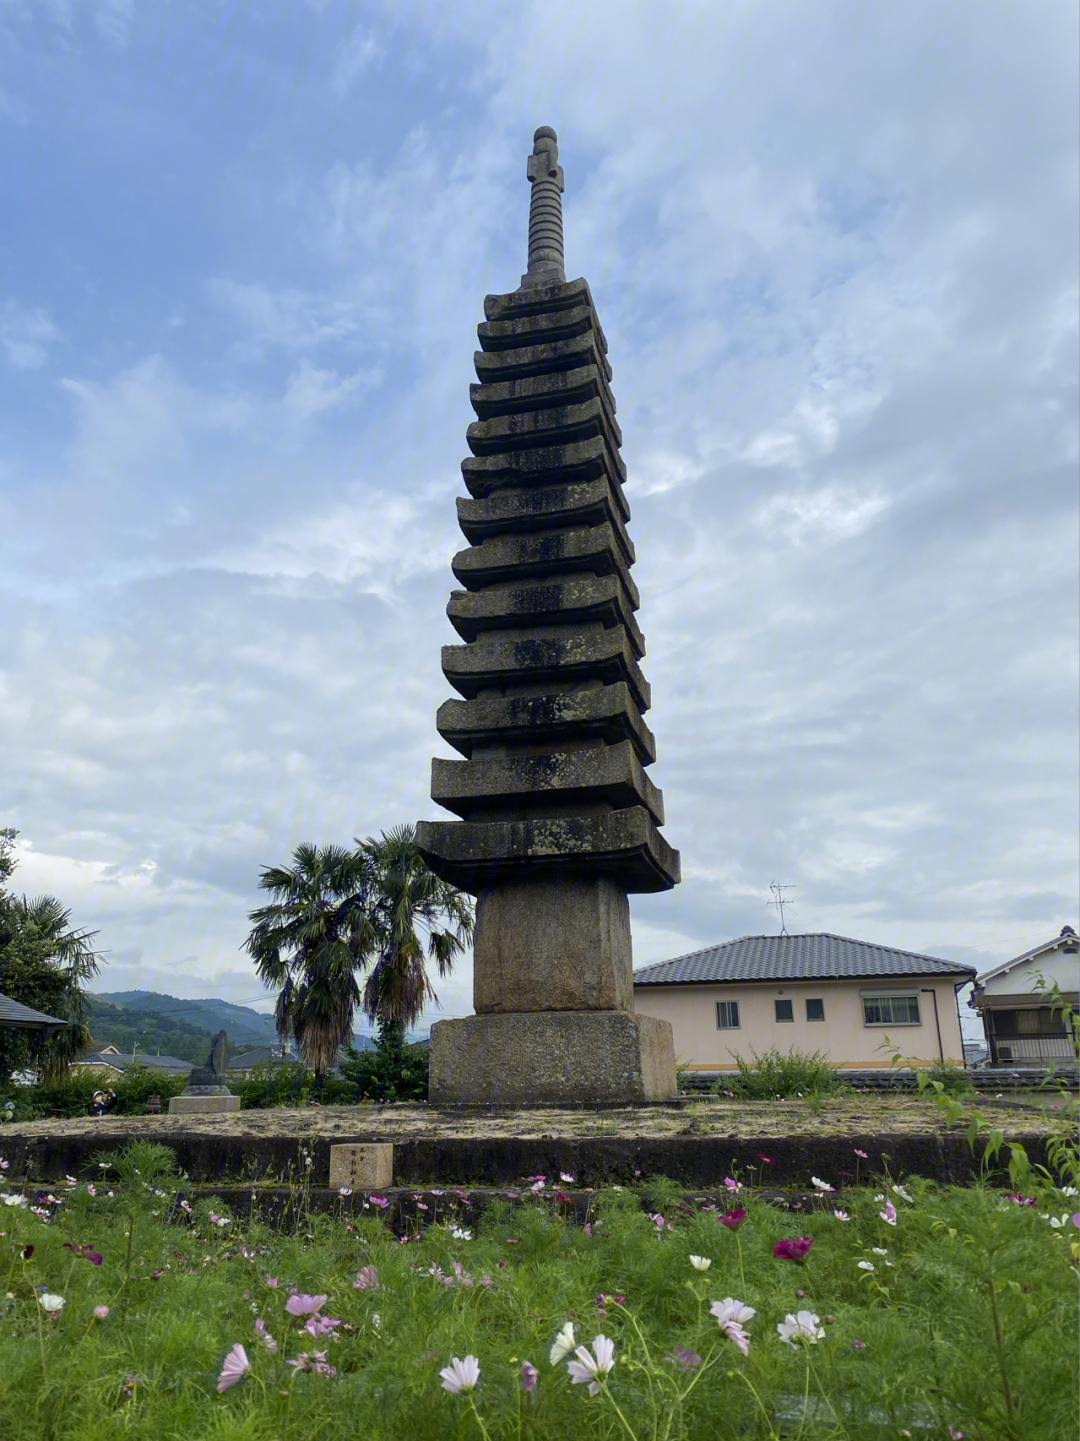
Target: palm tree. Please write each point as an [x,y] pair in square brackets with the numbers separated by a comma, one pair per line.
[336,913]
[45,964]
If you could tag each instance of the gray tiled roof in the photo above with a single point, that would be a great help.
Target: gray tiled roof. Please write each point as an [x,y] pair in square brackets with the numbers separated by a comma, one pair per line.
[795,958]
[14,1013]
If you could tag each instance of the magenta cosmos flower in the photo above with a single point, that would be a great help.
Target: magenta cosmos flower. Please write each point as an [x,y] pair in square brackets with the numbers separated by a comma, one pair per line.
[733,1219]
[793,1250]
[527,1376]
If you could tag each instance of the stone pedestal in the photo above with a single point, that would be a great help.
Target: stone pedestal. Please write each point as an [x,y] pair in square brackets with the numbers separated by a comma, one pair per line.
[364,1167]
[553,945]
[552,1057]
[203,1100]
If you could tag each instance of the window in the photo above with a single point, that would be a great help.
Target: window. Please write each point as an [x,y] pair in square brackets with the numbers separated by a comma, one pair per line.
[784,1011]
[727,1015]
[815,1010]
[891,1011]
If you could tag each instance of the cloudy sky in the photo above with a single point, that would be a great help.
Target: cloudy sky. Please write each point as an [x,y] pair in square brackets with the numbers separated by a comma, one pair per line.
[833,246]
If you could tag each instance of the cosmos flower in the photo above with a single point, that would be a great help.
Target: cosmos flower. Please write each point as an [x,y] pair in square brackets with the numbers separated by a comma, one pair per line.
[233,1367]
[862,1154]
[700,1263]
[566,1176]
[590,1369]
[730,1317]
[889,1214]
[733,1219]
[460,1376]
[87,1253]
[866,1265]
[796,1249]
[841,1215]
[820,1185]
[563,1345]
[527,1376]
[50,1304]
[300,1305]
[802,1329]
[461,1233]
[684,1358]
[367,1279]
[263,1336]
[100,1312]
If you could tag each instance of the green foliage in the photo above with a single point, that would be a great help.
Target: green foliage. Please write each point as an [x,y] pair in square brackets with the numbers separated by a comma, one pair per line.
[390,1070]
[337,913]
[955,1081]
[971,1327]
[70,1094]
[782,1075]
[44,964]
[275,1083]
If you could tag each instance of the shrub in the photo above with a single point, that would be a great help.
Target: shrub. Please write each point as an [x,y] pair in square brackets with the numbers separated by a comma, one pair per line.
[782,1075]
[390,1070]
[72,1093]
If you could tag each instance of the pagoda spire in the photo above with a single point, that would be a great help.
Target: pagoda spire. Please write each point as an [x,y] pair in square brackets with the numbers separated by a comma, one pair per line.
[559,821]
[545,211]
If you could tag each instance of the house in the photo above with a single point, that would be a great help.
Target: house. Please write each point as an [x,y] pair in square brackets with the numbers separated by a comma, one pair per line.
[261,1056]
[1021,1024]
[856,1002]
[109,1061]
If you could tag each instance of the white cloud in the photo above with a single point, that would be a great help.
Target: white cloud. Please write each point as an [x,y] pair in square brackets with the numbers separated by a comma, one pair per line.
[311,391]
[832,514]
[26,336]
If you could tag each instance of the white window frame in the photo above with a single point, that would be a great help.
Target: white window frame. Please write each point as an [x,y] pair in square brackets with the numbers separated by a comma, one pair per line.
[738,1019]
[893,995]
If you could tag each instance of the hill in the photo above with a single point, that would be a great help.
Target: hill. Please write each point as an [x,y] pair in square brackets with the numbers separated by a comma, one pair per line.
[246,1028]
[150,1031]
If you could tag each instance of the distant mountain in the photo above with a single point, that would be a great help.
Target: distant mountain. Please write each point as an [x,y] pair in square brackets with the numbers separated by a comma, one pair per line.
[148,1032]
[244,1026]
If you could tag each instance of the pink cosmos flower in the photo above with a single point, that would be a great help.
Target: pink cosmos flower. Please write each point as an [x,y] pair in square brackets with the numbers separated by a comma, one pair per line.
[460,1376]
[730,1316]
[889,1214]
[315,1362]
[1018,1200]
[793,1250]
[236,1363]
[367,1279]
[733,1219]
[591,1369]
[683,1358]
[271,1281]
[956,1435]
[732,1184]
[379,1201]
[862,1154]
[319,1325]
[263,1336]
[537,1186]
[566,1176]
[300,1305]
[4,1164]
[762,1157]
[588,1228]
[527,1376]
[91,1189]
[100,1312]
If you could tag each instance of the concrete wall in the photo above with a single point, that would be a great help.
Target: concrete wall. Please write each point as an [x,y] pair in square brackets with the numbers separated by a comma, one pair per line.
[842,1035]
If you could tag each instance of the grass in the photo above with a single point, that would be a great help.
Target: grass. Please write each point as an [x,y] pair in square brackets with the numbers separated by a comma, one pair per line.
[968,1321]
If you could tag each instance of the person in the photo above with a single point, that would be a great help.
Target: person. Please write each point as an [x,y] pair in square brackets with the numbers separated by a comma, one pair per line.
[102,1103]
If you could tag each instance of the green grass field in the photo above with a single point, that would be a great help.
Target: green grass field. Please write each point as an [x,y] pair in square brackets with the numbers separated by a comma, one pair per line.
[959,1319]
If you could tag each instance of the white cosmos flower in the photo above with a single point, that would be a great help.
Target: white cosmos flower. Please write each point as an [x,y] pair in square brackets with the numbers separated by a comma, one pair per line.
[899,1191]
[879,1250]
[461,1233]
[841,1215]
[53,1304]
[821,1185]
[15,1201]
[700,1263]
[866,1266]
[590,1368]
[564,1344]
[730,1317]
[802,1329]
[461,1376]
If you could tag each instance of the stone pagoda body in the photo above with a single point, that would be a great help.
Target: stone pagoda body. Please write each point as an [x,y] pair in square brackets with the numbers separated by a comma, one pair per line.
[559,820]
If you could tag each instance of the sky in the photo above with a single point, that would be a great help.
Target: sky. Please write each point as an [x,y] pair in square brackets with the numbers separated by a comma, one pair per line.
[833,247]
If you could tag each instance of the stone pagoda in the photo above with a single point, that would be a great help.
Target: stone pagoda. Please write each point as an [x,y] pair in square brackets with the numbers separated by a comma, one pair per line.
[559,820]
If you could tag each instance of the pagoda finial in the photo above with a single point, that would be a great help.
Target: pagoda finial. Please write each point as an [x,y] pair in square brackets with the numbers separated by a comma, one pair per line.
[545,211]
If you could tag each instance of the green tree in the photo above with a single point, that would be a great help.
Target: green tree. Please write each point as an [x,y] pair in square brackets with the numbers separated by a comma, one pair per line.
[336,914]
[45,964]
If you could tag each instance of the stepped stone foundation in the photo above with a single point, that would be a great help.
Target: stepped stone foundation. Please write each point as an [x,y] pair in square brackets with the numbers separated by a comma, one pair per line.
[559,821]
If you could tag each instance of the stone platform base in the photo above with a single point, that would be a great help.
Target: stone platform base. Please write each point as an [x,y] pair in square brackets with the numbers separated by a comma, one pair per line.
[552,1057]
[202,1105]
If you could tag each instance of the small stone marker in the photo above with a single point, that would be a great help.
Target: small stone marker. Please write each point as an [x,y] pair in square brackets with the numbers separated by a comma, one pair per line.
[362,1168]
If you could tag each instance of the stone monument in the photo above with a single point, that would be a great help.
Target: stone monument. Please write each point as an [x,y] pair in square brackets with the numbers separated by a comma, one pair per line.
[559,821]
[206,1090]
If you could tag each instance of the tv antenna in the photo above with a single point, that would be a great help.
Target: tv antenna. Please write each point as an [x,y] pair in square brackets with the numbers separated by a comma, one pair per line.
[779,902]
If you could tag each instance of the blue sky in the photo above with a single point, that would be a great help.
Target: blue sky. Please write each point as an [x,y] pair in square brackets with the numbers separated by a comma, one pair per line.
[243,254]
